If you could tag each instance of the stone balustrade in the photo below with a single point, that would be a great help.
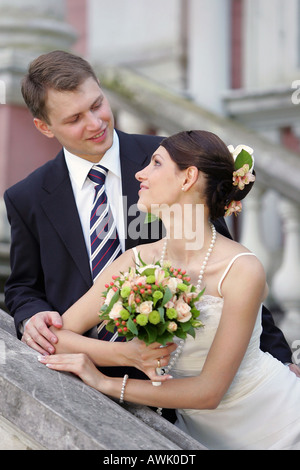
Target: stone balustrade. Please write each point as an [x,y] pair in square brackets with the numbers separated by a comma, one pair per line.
[42,409]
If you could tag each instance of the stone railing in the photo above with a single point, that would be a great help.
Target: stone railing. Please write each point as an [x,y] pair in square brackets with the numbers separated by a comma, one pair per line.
[271,210]
[42,409]
[4,270]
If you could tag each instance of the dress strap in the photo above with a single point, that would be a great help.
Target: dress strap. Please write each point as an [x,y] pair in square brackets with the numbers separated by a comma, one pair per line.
[228,268]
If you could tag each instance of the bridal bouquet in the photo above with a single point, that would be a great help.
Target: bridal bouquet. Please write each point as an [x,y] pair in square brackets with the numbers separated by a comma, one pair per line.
[151,302]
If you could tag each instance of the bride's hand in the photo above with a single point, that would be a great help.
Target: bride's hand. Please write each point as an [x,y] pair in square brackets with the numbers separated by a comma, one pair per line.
[149,358]
[296,369]
[78,364]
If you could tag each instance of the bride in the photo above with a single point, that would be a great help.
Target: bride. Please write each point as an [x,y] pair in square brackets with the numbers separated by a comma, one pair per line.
[227,392]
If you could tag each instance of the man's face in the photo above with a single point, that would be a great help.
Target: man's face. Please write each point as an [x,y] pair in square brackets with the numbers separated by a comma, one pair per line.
[81,120]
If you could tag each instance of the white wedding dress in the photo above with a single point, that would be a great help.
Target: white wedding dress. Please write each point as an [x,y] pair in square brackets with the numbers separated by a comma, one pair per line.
[261,409]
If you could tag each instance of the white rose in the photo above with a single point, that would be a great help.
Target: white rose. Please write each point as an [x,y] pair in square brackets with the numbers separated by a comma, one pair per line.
[183,311]
[169,304]
[172,326]
[173,283]
[145,307]
[115,311]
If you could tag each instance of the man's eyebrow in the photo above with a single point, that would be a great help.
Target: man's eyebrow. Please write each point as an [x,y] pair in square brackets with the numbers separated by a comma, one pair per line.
[69,117]
[97,100]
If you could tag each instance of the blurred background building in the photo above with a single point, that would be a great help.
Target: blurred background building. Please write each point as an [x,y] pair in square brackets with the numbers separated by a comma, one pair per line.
[228,66]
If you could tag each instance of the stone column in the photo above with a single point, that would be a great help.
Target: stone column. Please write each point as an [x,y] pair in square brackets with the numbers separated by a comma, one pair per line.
[27,29]
[285,286]
[252,236]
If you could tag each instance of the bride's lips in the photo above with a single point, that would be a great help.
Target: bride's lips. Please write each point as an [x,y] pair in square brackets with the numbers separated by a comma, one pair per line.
[142,187]
[99,137]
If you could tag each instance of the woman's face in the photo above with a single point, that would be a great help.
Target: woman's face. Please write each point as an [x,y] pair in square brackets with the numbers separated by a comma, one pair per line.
[160,182]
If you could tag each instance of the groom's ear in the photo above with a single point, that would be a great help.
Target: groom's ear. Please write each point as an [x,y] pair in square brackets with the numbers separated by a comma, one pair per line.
[43,127]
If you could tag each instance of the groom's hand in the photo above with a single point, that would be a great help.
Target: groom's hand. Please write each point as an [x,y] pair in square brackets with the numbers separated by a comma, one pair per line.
[37,334]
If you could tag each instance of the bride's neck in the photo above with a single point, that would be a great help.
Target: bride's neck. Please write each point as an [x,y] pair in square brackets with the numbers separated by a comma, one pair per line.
[184,249]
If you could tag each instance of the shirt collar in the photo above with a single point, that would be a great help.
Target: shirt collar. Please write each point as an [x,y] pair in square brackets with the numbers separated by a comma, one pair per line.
[79,168]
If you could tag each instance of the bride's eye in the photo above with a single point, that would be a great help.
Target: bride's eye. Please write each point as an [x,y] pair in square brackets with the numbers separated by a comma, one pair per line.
[156,162]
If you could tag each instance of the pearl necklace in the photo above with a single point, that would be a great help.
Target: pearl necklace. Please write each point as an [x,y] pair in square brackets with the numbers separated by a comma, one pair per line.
[200,278]
[204,264]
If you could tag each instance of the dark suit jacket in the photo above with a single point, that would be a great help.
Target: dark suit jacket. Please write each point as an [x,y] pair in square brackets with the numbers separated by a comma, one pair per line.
[49,260]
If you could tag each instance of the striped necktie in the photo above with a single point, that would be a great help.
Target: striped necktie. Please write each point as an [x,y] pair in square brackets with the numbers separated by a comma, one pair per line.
[105,243]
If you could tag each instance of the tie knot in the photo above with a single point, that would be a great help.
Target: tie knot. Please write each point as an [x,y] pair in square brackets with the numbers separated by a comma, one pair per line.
[97,174]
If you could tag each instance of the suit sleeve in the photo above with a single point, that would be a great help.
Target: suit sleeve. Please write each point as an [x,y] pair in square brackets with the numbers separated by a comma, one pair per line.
[272,339]
[24,289]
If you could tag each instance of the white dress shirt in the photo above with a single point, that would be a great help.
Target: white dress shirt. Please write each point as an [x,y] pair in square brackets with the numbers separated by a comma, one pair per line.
[84,191]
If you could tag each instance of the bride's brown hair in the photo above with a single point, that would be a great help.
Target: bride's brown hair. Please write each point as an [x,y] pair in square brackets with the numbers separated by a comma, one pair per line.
[210,155]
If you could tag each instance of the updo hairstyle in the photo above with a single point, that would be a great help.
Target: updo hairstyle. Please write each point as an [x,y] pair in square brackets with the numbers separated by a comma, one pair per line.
[210,155]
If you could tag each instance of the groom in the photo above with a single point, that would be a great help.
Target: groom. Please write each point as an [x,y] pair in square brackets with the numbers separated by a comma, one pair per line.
[50,246]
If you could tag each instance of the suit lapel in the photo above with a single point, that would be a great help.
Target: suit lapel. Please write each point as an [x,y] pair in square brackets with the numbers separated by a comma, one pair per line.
[60,208]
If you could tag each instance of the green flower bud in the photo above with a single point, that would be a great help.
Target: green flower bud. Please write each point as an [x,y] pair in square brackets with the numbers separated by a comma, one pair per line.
[182,287]
[124,314]
[197,324]
[125,291]
[142,319]
[157,295]
[154,317]
[171,313]
[150,279]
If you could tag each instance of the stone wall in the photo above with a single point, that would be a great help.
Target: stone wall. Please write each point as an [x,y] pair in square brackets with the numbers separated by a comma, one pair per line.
[46,409]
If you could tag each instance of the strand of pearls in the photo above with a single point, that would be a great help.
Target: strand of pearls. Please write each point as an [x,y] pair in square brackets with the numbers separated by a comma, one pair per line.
[204,264]
[200,278]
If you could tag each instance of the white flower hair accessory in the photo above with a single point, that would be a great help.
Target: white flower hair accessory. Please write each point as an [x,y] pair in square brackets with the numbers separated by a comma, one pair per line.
[243,165]
[242,154]
[242,175]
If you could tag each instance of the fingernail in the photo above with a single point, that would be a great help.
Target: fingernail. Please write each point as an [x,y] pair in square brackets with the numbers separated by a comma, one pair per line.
[41,358]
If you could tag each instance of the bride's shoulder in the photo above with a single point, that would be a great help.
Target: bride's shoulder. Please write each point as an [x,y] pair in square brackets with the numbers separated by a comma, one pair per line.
[234,253]
[241,267]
